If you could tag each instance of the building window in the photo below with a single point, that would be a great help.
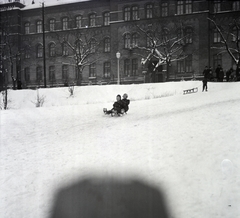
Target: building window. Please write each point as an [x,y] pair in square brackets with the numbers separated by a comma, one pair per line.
[165,33]
[127,67]
[65,23]
[92,46]
[92,20]
[39,51]
[52,50]
[51,25]
[236,6]
[217,6]
[27,74]
[149,40]
[134,67]
[78,21]
[189,35]
[235,34]
[217,60]
[188,6]
[188,64]
[127,40]
[135,40]
[64,49]
[164,9]
[180,37]
[107,45]
[92,70]
[39,74]
[106,19]
[135,13]
[149,11]
[180,7]
[39,26]
[107,70]
[65,73]
[27,28]
[27,53]
[216,36]
[127,13]
[180,66]
[52,73]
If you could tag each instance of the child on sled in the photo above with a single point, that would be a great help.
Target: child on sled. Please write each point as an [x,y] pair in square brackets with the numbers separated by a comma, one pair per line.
[117,107]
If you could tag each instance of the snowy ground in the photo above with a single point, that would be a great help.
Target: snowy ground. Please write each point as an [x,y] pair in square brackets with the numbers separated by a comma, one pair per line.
[186,145]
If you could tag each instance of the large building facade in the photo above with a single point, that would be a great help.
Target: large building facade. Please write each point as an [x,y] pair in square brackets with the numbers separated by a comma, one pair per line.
[107,41]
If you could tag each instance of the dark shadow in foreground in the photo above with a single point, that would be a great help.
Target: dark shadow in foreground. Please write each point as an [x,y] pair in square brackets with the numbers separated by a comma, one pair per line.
[109,198]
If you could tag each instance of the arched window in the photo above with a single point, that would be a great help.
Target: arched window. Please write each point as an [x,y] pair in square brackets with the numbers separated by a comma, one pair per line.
[52,51]
[39,26]
[135,13]
[65,23]
[106,18]
[127,40]
[106,70]
[65,73]
[149,42]
[93,46]
[39,51]
[92,20]
[127,67]
[149,11]
[127,13]
[107,44]
[135,40]
[78,21]
[52,24]
[64,49]
[189,35]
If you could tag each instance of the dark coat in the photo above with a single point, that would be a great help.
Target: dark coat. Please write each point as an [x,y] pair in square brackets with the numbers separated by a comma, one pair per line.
[125,103]
[118,105]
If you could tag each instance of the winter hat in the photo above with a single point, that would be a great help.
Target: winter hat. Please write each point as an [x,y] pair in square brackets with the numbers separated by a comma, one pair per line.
[125,95]
[119,96]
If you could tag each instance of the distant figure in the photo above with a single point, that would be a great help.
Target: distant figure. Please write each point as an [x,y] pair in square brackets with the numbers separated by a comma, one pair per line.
[210,74]
[217,71]
[206,77]
[228,74]
[221,75]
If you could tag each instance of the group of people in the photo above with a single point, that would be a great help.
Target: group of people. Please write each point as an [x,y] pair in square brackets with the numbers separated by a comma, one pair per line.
[208,75]
[121,106]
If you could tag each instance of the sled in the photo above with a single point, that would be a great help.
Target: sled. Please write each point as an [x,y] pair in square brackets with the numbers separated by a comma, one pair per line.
[189,91]
[113,113]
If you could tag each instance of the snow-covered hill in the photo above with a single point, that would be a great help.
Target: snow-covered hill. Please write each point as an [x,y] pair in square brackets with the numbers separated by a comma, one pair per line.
[185,145]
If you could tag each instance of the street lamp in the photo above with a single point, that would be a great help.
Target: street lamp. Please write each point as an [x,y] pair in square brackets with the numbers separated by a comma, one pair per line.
[118,57]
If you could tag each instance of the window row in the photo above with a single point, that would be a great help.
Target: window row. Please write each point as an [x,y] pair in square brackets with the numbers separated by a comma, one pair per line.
[65,51]
[66,23]
[65,72]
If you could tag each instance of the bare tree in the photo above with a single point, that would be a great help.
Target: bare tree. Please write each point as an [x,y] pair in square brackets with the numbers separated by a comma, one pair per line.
[164,46]
[230,38]
[84,46]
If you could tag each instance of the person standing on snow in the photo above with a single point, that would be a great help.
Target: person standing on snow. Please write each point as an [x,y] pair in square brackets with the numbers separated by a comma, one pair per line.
[206,77]
[217,71]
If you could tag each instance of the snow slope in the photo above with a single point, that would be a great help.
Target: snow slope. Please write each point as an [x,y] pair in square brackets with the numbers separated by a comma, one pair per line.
[186,145]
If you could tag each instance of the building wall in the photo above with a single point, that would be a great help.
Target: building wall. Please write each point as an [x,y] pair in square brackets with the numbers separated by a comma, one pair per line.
[200,50]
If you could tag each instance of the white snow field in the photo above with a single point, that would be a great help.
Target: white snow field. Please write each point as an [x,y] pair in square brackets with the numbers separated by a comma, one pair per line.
[186,145]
